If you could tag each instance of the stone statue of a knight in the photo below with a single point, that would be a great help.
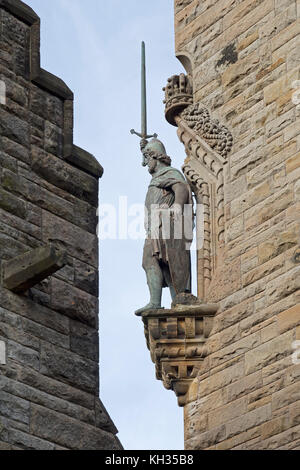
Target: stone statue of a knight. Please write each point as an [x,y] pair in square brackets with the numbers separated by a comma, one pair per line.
[169,226]
[169,216]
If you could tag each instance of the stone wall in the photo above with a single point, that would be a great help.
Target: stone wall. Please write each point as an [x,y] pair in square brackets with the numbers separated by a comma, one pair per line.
[244,58]
[49,370]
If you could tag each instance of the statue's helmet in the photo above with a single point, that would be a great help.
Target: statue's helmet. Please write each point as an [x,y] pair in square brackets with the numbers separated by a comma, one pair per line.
[155,146]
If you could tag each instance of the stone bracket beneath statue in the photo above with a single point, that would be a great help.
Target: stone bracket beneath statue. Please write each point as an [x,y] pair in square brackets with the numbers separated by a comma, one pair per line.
[176,339]
[25,271]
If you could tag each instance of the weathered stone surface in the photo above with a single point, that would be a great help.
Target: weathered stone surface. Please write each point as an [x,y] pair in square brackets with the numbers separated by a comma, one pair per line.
[28,309]
[84,340]
[12,204]
[65,176]
[79,244]
[14,128]
[58,364]
[74,303]
[14,408]
[86,277]
[267,353]
[17,390]
[67,432]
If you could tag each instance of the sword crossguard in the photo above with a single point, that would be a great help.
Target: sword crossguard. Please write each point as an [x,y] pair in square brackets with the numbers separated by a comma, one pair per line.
[143,136]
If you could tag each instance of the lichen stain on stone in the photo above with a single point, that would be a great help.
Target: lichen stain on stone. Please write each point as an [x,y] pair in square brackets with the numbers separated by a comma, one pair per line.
[229,55]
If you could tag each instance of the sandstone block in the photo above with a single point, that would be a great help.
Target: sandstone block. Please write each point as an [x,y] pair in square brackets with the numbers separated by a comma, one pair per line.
[84,340]
[206,439]
[293,163]
[250,198]
[248,421]
[58,364]
[263,271]
[78,243]
[295,414]
[236,349]
[28,442]
[242,387]
[268,352]
[239,70]
[14,408]
[36,380]
[289,319]
[280,123]
[69,432]
[66,177]
[286,396]
[73,302]
[12,204]
[221,379]
[226,413]
[281,86]
[14,128]
[86,277]
[25,307]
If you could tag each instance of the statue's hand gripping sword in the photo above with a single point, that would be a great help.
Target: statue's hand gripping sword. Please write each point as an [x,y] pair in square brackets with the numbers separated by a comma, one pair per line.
[143,134]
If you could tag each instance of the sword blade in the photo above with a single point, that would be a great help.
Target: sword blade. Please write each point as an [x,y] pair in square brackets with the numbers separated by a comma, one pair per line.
[143,94]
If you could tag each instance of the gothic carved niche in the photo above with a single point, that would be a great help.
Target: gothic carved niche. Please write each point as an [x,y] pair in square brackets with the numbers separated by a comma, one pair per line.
[207,144]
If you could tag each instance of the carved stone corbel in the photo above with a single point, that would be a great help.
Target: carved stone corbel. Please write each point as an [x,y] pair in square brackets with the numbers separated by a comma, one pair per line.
[25,271]
[207,145]
[176,339]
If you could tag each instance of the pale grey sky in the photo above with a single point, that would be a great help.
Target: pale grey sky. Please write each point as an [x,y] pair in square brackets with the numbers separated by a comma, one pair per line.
[94,46]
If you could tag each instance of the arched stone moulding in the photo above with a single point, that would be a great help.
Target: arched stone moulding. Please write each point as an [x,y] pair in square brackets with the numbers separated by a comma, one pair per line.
[207,144]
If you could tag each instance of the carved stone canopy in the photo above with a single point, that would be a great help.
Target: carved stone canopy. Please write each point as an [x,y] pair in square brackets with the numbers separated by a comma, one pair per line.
[178,95]
[176,339]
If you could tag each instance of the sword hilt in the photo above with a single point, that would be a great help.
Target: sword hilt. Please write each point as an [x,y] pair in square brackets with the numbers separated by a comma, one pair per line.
[143,136]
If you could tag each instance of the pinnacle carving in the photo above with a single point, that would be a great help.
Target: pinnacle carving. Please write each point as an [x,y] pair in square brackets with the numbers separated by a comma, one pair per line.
[178,95]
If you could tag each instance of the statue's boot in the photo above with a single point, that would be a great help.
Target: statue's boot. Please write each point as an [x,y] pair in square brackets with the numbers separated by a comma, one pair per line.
[155,282]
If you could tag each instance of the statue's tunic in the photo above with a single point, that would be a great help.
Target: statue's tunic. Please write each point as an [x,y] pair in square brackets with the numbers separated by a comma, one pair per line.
[160,196]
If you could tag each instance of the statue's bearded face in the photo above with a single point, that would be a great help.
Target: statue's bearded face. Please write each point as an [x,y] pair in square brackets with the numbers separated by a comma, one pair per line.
[152,164]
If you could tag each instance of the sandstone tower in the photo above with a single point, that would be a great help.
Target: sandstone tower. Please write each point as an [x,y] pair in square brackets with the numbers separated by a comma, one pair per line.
[243,60]
[235,363]
[49,354]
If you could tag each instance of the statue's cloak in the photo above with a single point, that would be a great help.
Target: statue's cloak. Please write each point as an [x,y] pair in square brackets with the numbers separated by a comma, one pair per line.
[170,238]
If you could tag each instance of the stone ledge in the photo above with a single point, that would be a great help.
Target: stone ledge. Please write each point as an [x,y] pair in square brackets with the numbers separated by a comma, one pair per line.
[85,161]
[20,10]
[176,339]
[25,271]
